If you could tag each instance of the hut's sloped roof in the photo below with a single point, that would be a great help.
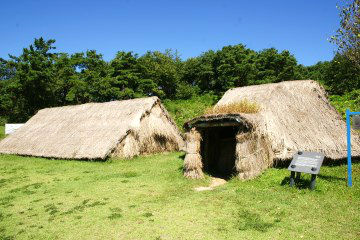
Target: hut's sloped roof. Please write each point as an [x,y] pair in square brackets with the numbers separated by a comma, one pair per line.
[296,115]
[88,131]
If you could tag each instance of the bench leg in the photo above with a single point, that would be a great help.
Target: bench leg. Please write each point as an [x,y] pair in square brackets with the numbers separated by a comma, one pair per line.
[313,181]
[292,179]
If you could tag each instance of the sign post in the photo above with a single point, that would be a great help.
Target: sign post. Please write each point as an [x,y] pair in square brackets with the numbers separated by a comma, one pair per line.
[348,128]
[305,162]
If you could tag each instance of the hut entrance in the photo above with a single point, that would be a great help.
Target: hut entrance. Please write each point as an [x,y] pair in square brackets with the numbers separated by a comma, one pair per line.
[218,150]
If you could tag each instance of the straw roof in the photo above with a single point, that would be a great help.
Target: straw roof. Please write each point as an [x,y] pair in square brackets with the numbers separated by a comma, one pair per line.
[294,115]
[95,130]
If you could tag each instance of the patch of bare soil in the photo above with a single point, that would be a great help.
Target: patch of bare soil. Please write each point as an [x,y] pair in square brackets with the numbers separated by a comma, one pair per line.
[215,182]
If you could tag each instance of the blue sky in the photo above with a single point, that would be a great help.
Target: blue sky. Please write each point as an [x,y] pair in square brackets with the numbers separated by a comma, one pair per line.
[191,27]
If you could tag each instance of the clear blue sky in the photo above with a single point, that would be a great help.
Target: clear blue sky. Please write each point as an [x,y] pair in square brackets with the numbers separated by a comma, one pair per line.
[191,27]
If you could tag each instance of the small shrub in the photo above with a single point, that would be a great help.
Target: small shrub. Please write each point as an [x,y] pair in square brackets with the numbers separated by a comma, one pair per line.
[243,106]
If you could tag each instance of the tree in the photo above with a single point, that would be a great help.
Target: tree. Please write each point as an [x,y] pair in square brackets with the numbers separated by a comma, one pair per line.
[273,66]
[341,76]
[124,70]
[199,72]
[31,86]
[237,66]
[234,67]
[160,71]
[348,35]
[91,82]
[315,72]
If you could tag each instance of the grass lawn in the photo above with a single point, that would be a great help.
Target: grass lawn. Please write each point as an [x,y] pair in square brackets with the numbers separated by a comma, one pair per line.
[148,198]
[185,109]
[2,132]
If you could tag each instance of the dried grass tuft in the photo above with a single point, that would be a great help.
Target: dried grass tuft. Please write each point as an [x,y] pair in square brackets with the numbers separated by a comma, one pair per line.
[243,106]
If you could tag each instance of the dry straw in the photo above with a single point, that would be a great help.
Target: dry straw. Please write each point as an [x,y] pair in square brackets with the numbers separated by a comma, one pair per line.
[242,106]
[294,115]
[97,130]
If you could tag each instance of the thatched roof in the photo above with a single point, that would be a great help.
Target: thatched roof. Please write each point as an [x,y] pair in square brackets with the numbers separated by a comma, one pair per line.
[89,131]
[222,120]
[294,115]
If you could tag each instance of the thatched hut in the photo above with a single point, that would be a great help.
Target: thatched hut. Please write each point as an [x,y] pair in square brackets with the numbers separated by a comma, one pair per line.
[293,116]
[97,130]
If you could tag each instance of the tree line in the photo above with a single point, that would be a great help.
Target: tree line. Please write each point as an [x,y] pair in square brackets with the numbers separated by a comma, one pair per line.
[42,77]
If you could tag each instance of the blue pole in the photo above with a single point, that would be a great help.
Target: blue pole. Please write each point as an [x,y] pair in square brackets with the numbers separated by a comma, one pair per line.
[349,147]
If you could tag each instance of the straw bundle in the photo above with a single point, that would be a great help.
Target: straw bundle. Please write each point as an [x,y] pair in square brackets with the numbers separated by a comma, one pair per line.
[192,162]
[193,166]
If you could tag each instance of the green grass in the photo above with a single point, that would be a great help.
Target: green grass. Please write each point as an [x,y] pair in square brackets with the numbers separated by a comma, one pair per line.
[2,132]
[184,110]
[347,101]
[148,198]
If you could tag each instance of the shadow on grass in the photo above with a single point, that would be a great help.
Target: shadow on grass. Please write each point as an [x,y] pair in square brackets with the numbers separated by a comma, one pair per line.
[248,220]
[327,162]
[299,183]
[302,183]
[332,178]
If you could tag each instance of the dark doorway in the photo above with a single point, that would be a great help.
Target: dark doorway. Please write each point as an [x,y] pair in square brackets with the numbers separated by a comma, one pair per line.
[218,150]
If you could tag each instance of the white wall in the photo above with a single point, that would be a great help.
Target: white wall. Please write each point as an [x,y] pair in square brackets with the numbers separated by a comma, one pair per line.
[12,127]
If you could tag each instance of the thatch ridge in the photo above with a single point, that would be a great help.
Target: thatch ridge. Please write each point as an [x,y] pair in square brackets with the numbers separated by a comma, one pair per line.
[218,118]
[86,131]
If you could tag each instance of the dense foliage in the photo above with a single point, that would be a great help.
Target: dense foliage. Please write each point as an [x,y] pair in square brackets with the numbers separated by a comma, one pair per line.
[348,35]
[41,77]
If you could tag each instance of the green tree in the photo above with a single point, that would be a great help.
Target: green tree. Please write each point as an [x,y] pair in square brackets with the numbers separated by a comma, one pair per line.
[341,76]
[124,70]
[91,82]
[273,66]
[348,35]
[200,71]
[315,72]
[32,85]
[160,72]
[234,67]
[237,66]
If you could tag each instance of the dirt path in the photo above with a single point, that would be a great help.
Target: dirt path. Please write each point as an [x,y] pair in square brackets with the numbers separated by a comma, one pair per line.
[215,182]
